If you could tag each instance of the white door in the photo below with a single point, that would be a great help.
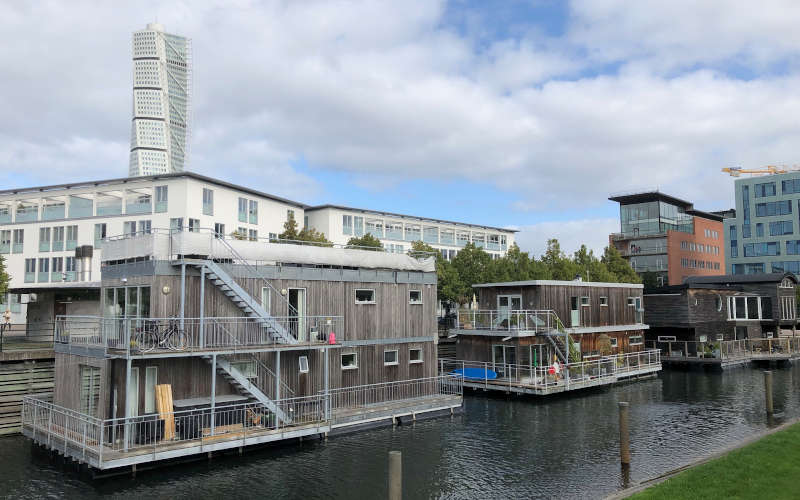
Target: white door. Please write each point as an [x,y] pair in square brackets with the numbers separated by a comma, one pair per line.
[133,392]
[297,299]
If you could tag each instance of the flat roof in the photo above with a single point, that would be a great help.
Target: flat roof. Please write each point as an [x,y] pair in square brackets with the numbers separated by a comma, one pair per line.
[127,180]
[391,214]
[705,215]
[740,278]
[598,284]
[645,196]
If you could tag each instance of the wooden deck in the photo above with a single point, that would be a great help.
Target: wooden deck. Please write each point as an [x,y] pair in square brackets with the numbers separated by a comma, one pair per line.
[728,362]
[525,386]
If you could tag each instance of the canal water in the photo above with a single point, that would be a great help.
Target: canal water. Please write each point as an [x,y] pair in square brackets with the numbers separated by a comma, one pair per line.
[500,447]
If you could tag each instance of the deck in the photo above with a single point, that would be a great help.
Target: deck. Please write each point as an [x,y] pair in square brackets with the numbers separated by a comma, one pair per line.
[729,353]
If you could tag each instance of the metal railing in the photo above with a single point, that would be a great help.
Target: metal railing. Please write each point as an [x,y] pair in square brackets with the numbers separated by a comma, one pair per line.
[159,335]
[26,338]
[605,369]
[96,440]
[536,321]
[728,349]
[374,394]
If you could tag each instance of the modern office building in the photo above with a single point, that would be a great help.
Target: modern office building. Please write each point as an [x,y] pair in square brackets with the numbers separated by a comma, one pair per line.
[763,236]
[162,94]
[397,231]
[666,236]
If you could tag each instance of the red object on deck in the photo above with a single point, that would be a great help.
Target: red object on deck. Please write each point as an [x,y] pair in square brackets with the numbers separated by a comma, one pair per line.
[331,338]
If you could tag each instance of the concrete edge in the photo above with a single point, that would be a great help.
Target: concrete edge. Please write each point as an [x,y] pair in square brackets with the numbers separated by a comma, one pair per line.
[643,485]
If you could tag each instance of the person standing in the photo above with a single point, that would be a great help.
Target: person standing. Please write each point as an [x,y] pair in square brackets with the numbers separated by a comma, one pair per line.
[7,319]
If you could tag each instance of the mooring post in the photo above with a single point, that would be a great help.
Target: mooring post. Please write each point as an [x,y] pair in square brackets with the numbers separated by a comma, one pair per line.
[395,475]
[768,391]
[624,436]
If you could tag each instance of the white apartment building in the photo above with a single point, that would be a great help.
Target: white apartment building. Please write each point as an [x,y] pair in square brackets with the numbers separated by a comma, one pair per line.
[42,227]
[162,66]
[397,231]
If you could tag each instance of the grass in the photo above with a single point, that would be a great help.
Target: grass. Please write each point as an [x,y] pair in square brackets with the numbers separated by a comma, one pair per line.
[766,469]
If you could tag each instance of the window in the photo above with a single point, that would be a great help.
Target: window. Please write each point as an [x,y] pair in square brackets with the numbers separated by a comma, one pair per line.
[252,235]
[242,210]
[30,270]
[766,189]
[266,299]
[150,381]
[603,301]
[759,230]
[72,237]
[289,214]
[90,389]
[57,269]
[375,227]
[365,296]
[248,369]
[347,224]
[305,222]
[413,232]
[746,231]
[161,199]
[208,201]
[414,356]
[44,239]
[787,308]
[774,208]
[636,340]
[5,241]
[58,239]
[718,303]
[667,338]
[145,226]
[219,230]
[585,301]
[129,228]
[613,341]
[273,237]
[761,249]
[44,270]
[194,225]
[415,297]
[100,232]
[631,301]
[349,361]
[390,358]
[303,362]
[743,307]
[176,224]
[19,241]
[787,282]
[394,230]
[253,212]
[358,226]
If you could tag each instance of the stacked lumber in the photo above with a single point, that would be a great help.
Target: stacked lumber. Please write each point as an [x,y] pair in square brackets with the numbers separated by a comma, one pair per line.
[18,379]
[165,409]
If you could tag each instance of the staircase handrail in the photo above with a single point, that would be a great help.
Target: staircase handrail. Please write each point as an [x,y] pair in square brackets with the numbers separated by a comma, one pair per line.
[252,356]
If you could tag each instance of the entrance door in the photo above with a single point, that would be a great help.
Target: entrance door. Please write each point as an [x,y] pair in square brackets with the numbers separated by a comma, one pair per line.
[574,311]
[297,313]
[502,356]
[505,305]
[638,306]
[133,392]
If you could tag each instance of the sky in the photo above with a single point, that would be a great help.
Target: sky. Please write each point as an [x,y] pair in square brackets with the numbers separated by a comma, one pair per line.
[518,114]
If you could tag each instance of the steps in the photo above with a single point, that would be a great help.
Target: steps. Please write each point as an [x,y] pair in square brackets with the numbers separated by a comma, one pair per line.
[244,301]
[245,387]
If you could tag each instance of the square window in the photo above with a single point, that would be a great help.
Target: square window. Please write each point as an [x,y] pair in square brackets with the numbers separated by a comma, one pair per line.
[349,361]
[631,301]
[613,341]
[415,297]
[585,301]
[365,296]
[303,360]
[414,356]
[603,301]
[636,340]
[390,358]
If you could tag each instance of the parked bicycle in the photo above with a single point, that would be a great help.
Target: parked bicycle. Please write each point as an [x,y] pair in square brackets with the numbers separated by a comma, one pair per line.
[153,336]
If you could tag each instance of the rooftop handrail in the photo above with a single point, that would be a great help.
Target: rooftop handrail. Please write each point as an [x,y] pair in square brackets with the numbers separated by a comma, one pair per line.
[507,319]
[727,349]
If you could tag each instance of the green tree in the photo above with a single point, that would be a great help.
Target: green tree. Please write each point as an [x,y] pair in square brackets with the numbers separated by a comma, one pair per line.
[591,268]
[561,267]
[4,278]
[650,279]
[291,234]
[367,240]
[290,231]
[471,263]
[618,266]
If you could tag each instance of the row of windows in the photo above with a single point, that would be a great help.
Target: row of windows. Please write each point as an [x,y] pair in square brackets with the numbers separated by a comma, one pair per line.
[709,233]
[55,269]
[367,296]
[699,264]
[349,361]
[354,225]
[783,207]
[765,189]
[761,249]
[52,239]
[699,247]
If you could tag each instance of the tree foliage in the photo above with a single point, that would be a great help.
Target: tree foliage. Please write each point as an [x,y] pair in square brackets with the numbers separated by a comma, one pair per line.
[4,277]
[291,234]
[366,241]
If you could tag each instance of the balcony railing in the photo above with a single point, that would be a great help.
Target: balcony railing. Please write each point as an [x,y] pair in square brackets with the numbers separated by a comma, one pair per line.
[101,442]
[530,321]
[164,335]
[633,252]
[728,349]
[604,369]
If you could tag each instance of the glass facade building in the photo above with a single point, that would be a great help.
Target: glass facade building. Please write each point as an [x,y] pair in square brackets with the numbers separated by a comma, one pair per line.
[763,236]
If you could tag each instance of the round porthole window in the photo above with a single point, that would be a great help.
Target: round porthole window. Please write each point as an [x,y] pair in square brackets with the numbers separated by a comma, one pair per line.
[718,303]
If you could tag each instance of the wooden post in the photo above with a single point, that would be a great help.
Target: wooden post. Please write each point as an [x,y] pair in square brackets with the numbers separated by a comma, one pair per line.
[395,475]
[768,391]
[624,435]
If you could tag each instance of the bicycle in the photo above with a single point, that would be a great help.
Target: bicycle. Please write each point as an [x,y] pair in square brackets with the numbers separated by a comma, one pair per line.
[171,337]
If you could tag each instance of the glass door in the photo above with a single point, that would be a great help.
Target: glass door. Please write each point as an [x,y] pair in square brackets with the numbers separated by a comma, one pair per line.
[574,311]
[297,313]
[505,305]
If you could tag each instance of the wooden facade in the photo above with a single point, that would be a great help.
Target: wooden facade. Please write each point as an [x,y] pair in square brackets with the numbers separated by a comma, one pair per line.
[699,310]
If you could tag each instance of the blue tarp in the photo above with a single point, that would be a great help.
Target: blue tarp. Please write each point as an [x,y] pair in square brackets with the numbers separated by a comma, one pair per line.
[476,373]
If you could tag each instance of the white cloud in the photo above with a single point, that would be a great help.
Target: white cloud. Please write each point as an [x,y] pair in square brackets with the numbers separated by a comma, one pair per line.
[570,234]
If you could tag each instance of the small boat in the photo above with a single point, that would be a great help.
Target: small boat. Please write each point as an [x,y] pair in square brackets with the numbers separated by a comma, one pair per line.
[475,373]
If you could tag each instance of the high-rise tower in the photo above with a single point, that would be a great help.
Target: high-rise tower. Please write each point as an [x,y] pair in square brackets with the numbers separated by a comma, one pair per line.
[162,65]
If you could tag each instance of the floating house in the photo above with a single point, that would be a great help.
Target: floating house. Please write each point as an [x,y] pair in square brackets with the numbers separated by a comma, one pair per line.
[544,336]
[723,320]
[207,344]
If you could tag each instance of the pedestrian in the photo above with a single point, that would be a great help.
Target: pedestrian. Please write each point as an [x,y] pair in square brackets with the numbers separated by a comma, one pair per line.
[7,319]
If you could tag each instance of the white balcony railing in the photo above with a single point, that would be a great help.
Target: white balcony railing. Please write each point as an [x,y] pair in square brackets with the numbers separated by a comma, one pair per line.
[728,349]
[529,321]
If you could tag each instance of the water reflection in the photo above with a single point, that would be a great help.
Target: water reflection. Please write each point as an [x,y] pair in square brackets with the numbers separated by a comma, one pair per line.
[501,447]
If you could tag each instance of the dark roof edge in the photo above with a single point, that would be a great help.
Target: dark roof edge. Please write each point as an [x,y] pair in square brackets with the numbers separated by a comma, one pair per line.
[392,214]
[174,175]
[705,215]
[649,196]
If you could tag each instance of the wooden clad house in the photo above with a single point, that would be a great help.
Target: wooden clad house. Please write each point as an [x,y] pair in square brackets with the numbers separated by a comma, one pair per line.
[205,341]
[529,325]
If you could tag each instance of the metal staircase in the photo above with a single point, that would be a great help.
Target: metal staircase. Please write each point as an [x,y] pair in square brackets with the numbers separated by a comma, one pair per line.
[245,386]
[558,346]
[244,300]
